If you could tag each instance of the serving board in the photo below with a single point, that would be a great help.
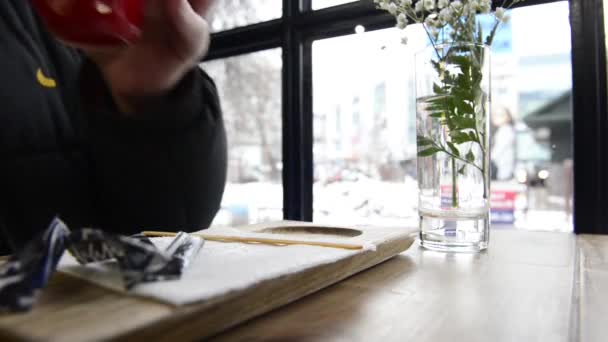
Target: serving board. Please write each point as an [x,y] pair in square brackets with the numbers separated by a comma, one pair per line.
[73,309]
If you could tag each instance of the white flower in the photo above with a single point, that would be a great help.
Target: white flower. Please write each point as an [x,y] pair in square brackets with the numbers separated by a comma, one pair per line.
[392,8]
[469,9]
[443,3]
[429,5]
[456,6]
[445,15]
[484,6]
[431,21]
[500,13]
[401,21]
[406,3]
[419,6]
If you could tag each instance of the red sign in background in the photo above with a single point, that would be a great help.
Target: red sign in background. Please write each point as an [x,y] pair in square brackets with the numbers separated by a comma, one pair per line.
[502,203]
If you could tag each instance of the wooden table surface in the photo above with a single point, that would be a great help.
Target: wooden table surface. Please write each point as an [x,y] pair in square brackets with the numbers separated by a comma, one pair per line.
[528,286]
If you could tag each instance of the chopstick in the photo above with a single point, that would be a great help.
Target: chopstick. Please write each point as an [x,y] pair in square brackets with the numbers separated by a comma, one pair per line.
[265,241]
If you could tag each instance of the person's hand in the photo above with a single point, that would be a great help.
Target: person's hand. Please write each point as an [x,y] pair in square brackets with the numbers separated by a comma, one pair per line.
[175,37]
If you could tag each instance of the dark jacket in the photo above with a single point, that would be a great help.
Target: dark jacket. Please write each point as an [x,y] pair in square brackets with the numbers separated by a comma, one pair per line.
[65,150]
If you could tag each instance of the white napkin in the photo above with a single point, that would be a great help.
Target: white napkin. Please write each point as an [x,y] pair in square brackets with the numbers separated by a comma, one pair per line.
[219,269]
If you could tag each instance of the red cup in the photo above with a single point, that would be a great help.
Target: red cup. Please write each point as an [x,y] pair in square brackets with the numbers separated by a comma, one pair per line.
[93,22]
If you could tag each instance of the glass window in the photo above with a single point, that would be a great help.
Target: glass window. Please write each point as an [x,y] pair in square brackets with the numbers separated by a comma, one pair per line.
[319,4]
[250,92]
[533,65]
[228,14]
[365,165]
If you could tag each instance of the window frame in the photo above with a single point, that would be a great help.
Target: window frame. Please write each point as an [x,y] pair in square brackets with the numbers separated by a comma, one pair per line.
[300,26]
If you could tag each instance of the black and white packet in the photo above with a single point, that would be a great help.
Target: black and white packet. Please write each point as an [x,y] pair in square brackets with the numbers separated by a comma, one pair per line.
[139,261]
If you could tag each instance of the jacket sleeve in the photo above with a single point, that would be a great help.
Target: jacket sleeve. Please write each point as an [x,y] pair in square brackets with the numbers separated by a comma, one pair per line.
[163,168]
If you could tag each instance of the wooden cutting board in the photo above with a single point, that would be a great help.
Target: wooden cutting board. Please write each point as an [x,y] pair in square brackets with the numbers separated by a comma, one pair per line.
[71,309]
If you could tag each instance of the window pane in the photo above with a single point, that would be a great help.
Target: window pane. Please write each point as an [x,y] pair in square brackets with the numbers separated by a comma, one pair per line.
[318,4]
[365,145]
[532,83]
[228,14]
[250,91]
[364,137]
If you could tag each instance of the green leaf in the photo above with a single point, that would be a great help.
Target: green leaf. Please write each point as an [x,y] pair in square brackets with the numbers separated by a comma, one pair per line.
[464,81]
[435,105]
[470,156]
[435,108]
[438,90]
[436,65]
[443,103]
[441,99]
[423,141]
[464,94]
[463,61]
[465,108]
[448,78]
[453,149]
[428,152]
[437,115]
[459,137]
[464,122]
[461,170]
[490,38]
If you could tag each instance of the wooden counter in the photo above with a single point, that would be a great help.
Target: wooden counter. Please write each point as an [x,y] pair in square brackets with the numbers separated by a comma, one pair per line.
[529,286]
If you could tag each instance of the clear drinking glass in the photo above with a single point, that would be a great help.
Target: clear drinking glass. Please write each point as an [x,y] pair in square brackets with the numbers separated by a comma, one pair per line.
[452,128]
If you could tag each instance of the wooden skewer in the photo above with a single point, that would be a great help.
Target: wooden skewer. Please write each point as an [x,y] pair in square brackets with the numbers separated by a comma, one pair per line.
[265,241]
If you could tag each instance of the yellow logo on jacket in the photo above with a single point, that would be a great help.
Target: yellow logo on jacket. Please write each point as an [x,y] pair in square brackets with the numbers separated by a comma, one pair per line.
[45,81]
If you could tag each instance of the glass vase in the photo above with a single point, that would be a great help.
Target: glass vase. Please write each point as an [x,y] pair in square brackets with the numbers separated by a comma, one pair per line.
[452,128]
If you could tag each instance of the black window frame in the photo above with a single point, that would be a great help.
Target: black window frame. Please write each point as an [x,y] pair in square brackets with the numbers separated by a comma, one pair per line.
[300,26]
